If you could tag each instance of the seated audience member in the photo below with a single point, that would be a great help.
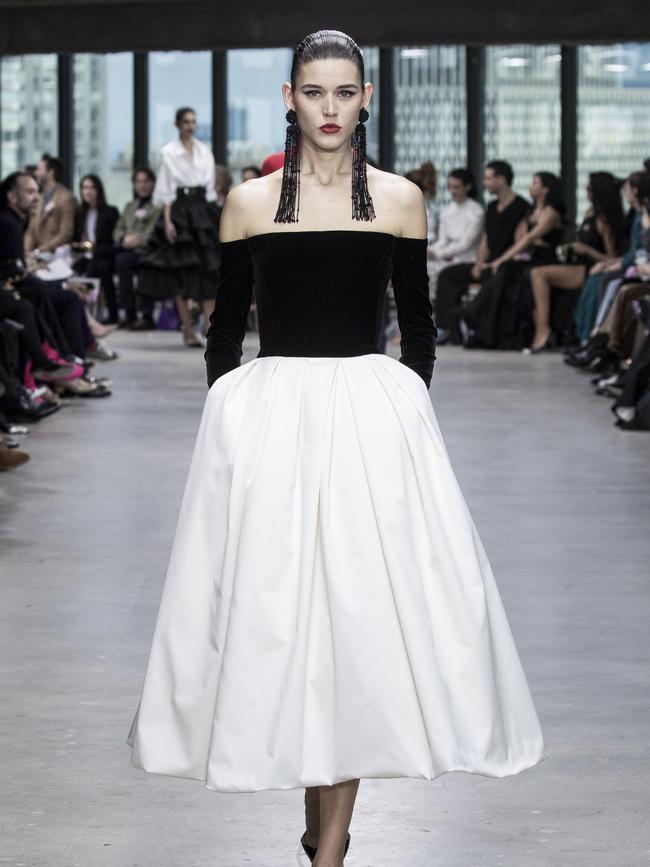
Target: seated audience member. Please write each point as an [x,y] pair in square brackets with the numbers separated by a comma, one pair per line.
[611,346]
[500,317]
[131,235]
[18,403]
[504,223]
[44,362]
[606,277]
[601,237]
[52,224]
[632,404]
[95,221]
[61,310]
[461,224]
[249,173]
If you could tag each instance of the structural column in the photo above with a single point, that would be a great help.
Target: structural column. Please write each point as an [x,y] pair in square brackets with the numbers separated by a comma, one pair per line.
[140,109]
[475,88]
[569,128]
[386,110]
[220,106]
[66,116]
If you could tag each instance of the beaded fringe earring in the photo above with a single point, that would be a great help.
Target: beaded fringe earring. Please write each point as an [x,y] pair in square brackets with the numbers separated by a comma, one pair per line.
[362,206]
[290,193]
[289,206]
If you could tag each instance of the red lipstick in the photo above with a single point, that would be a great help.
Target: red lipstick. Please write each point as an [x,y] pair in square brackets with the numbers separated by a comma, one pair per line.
[329,128]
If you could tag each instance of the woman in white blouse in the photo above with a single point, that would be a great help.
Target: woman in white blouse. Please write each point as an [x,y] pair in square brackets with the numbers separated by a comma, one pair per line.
[182,260]
[460,226]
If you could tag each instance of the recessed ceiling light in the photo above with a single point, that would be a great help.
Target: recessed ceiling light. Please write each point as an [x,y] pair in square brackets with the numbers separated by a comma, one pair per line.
[413,52]
[515,62]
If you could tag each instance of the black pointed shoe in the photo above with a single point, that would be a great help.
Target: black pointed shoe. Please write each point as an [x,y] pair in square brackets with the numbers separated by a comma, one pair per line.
[310,851]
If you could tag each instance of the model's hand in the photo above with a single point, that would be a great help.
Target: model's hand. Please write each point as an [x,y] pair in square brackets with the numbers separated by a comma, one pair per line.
[477,270]
[170,231]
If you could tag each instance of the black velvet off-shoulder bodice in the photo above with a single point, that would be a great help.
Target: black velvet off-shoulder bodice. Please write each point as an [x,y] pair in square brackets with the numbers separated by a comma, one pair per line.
[321,293]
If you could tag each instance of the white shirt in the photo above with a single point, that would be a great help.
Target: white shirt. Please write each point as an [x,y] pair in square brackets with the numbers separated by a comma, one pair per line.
[460,231]
[90,226]
[180,169]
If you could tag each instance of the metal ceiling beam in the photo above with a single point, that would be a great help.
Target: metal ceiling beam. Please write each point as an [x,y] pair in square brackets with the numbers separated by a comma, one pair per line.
[28,26]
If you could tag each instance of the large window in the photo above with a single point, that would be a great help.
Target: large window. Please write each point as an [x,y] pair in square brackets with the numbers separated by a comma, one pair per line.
[430,109]
[178,79]
[256,110]
[371,67]
[29,113]
[522,109]
[613,111]
[103,121]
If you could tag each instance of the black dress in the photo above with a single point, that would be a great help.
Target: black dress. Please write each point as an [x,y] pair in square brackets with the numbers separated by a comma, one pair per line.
[328,612]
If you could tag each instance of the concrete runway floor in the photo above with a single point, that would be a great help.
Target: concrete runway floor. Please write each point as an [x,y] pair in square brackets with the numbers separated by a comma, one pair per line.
[561,500]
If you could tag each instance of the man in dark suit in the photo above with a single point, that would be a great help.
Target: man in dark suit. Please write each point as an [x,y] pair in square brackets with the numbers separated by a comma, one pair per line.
[62,309]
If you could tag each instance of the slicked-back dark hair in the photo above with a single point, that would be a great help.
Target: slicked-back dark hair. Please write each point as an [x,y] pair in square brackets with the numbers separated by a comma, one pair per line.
[326,45]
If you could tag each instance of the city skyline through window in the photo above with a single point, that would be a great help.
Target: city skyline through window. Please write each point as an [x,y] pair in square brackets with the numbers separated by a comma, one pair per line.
[521,104]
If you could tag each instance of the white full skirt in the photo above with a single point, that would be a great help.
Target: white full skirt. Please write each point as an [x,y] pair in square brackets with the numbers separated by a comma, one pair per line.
[328,612]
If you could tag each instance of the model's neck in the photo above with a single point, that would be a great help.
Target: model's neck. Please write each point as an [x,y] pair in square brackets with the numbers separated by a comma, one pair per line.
[48,185]
[325,166]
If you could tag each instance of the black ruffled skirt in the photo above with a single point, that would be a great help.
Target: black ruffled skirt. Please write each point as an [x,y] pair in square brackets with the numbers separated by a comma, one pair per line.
[189,266]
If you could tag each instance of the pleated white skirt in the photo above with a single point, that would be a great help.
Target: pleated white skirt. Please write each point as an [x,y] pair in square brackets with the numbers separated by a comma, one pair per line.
[328,612]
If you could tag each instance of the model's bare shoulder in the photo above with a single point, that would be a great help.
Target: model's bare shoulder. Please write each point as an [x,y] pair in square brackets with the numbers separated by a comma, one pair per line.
[401,201]
[250,207]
